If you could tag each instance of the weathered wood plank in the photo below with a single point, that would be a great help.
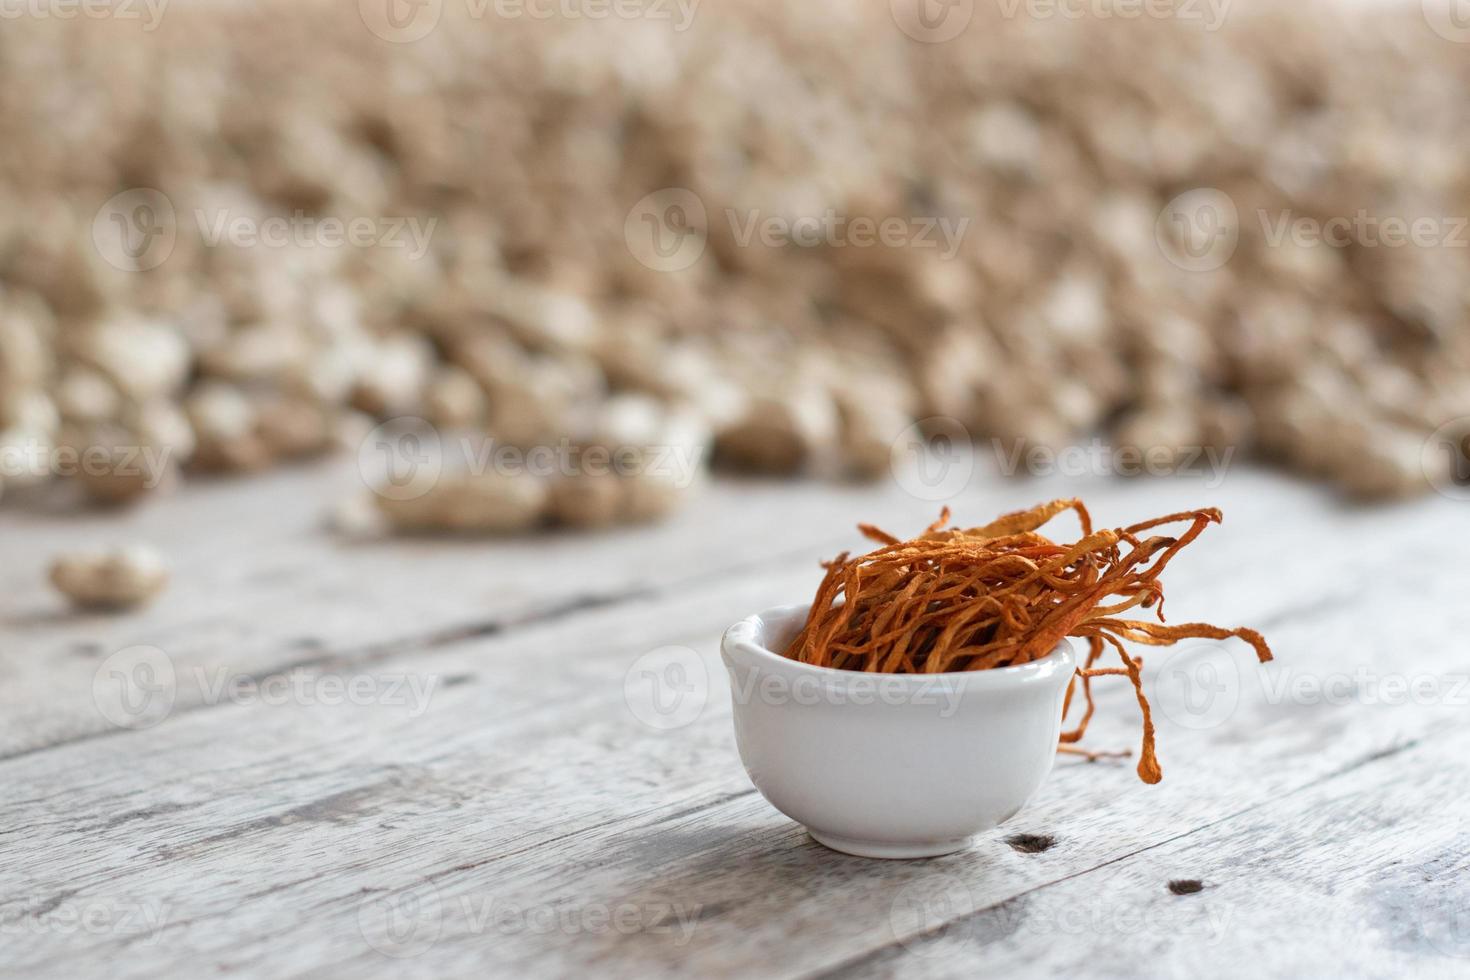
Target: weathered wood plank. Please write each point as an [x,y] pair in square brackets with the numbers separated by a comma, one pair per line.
[1357,875]
[261,587]
[257,828]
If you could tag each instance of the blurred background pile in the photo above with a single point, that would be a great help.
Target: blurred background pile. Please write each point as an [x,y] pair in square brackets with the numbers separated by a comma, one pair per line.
[646,228]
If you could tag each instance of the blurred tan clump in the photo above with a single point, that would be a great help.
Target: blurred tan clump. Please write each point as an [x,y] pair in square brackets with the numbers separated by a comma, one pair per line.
[498,171]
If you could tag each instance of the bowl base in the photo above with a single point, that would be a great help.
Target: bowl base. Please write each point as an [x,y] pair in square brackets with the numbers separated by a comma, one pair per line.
[889,849]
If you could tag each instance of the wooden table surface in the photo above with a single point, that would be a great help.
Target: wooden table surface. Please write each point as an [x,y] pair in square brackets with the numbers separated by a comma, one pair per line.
[449,758]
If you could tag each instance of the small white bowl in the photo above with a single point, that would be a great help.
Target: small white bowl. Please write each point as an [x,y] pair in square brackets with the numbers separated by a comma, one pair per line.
[890,765]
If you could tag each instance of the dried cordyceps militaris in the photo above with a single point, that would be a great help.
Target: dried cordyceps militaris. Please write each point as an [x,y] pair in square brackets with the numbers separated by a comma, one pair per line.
[1002,595]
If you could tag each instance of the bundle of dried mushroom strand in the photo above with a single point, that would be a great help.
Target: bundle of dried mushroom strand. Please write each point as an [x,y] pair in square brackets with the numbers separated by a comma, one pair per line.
[1002,595]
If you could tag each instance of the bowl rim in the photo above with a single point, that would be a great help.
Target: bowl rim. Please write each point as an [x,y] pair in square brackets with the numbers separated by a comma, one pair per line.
[739,645]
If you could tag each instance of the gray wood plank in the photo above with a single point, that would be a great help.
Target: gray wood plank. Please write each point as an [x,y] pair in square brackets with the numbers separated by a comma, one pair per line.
[1361,874]
[534,808]
[260,587]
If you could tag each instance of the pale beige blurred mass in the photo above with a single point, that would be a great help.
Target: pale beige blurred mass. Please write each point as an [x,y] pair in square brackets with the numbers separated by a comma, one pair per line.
[500,170]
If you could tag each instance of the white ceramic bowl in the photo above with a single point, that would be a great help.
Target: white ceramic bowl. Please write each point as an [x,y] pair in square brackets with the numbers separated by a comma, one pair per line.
[890,765]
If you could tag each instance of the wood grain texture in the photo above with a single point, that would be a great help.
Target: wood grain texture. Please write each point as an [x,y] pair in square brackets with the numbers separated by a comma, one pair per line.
[521,814]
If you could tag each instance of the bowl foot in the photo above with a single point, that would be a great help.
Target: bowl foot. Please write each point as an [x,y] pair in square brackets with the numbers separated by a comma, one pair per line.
[889,849]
